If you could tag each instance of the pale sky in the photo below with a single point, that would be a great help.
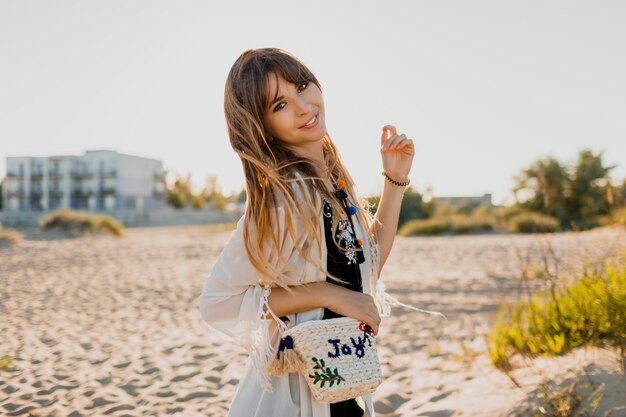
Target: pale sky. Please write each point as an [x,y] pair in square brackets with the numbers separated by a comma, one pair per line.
[484,88]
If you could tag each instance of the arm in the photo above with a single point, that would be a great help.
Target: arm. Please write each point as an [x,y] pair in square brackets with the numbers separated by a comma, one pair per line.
[346,302]
[397,154]
[232,301]
[302,298]
[385,223]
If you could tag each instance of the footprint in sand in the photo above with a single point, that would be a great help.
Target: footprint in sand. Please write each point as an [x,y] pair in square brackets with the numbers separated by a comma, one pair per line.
[150,371]
[105,381]
[118,408]
[184,377]
[194,395]
[122,365]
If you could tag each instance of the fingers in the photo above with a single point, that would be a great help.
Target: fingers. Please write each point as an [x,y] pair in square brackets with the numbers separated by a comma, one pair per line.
[374,323]
[373,316]
[388,130]
[359,306]
[402,143]
[390,139]
[391,129]
[394,141]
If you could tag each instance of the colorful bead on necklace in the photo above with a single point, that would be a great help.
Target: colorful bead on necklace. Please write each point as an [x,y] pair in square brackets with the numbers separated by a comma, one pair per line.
[341,184]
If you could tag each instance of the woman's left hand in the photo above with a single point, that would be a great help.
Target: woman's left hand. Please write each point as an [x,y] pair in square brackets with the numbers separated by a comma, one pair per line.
[397,152]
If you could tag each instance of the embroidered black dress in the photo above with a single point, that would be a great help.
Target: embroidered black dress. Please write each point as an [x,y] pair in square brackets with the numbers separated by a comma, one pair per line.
[345,266]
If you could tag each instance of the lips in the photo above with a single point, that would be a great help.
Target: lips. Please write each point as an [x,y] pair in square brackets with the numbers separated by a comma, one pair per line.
[313,121]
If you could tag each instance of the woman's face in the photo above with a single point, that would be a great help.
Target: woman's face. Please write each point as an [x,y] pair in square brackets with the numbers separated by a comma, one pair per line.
[287,118]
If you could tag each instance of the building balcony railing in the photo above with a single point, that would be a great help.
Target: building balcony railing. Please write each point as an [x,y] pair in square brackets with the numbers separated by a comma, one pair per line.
[36,192]
[55,173]
[106,190]
[15,193]
[81,174]
[56,192]
[79,192]
[108,173]
[13,174]
[35,204]
[36,174]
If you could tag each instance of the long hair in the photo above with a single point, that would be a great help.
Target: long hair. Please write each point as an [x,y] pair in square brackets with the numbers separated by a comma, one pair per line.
[270,168]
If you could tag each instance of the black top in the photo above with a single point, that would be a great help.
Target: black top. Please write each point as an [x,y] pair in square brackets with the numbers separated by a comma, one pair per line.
[344,266]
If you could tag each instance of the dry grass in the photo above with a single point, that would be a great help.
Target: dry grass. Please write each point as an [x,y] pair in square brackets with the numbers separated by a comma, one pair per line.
[81,223]
[9,236]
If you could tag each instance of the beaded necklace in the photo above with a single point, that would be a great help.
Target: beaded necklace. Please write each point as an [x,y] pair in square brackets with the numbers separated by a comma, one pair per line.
[348,234]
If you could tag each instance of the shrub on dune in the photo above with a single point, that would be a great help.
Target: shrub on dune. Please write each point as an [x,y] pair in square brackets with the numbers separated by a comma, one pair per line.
[81,222]
[589,311]
[432,226]
[9,236]
[471,224]
[452,224]
[616,217]
[531,222]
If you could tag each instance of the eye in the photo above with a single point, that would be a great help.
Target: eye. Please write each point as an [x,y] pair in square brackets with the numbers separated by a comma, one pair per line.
[302,86]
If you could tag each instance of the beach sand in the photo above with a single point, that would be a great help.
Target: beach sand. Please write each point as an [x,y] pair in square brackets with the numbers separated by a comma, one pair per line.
[101,326]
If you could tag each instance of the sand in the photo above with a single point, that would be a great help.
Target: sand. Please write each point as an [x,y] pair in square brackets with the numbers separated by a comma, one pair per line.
[101,326]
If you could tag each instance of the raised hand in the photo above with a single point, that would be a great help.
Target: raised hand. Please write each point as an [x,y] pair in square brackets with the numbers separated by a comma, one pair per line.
[397,152]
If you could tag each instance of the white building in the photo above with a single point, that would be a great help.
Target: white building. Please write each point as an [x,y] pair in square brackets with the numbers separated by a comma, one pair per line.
[100,180]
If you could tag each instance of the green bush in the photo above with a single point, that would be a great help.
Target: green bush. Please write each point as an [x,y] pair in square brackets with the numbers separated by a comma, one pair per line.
[197,202]
[471,224]
[432,226]
[444,208]
[532,222]
[81,222]
[574,194]
[412,206]
[508,212]
[617,217]
[590,311]
[449,224]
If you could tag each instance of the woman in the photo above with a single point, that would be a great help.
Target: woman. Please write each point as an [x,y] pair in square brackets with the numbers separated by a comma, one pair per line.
[306,248]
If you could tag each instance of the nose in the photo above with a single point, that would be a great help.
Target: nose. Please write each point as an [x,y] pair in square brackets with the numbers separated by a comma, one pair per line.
[301,106]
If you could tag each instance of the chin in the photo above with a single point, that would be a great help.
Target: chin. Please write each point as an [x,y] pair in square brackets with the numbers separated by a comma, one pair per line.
[323,133]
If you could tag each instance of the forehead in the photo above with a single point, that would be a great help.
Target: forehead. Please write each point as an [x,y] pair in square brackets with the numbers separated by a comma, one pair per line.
[276,84]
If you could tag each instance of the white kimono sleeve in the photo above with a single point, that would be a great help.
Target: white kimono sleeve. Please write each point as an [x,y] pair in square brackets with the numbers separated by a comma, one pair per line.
[234,302]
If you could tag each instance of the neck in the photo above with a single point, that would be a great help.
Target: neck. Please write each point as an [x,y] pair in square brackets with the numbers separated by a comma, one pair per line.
[320,166]
[316,154]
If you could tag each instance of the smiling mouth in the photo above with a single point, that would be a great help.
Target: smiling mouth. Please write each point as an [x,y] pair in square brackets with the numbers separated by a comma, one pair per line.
[311,122]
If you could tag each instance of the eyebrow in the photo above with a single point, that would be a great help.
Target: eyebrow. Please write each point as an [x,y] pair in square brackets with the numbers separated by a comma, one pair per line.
[277,99]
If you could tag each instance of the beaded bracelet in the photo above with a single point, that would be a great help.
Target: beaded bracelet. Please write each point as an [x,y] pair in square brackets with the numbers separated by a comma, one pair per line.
[402,184]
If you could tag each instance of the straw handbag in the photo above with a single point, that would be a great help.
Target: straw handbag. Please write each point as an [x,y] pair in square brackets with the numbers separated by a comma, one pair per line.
[337,357]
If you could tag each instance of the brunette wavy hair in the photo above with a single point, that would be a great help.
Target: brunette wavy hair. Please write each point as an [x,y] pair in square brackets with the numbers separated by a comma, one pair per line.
[271,169]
